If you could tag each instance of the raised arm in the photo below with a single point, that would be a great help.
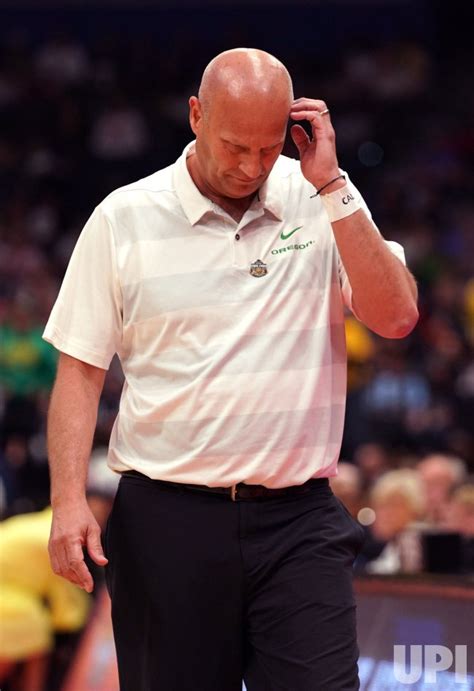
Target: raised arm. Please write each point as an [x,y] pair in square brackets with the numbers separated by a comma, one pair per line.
[384,293]
[72,419]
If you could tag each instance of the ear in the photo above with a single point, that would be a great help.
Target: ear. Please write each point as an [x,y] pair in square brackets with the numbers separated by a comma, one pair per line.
[195,114]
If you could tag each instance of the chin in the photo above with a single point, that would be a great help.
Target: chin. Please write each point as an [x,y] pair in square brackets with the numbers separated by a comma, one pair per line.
[244,189]
[239,195]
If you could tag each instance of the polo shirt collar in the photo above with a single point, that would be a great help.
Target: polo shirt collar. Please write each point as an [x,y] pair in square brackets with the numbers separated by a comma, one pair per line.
[195,204]
[270,195]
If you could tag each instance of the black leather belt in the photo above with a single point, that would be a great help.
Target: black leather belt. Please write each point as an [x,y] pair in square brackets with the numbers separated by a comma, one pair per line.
[239,492]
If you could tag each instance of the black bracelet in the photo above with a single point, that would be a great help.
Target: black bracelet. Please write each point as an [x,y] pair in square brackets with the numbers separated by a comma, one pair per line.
[339,177]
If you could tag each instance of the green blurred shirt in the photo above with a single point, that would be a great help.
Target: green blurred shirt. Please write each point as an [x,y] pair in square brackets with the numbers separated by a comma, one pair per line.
[27,363]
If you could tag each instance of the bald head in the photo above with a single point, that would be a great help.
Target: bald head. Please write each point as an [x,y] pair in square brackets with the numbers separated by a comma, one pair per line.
[240,121]
[245,75]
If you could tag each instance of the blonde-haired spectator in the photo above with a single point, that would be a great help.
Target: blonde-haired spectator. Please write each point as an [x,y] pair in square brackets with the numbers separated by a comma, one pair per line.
[397,499]
[398,502]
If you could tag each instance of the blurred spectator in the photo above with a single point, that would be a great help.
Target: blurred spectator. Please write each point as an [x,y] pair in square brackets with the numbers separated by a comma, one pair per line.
[395,71]
[397,499]
[347,486]
[27,370]
[37,608]
[372,461]
[460,518]
[27,363]
[119,132]
[35,603]
[439,474]
[396,391]
[63,60]
[398,502]
[25,481]
[460,513]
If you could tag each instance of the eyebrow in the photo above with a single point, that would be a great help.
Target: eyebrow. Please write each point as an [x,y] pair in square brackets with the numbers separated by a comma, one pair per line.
[241,146]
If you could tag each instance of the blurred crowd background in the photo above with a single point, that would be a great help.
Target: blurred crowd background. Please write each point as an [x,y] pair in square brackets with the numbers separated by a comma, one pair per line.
[91,100]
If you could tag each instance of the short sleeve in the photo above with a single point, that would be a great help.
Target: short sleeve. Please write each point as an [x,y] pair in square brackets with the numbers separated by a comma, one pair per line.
[86,320]
[394,247]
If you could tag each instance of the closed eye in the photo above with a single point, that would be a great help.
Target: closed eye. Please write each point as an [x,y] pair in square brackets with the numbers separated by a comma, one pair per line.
[269,149]
[235,148]
[238,148]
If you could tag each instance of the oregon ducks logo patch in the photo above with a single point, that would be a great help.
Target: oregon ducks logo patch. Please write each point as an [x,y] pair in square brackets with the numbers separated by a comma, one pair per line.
[258,269]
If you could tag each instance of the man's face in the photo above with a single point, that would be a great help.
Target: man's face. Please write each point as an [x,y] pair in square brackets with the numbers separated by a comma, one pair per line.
[237,145]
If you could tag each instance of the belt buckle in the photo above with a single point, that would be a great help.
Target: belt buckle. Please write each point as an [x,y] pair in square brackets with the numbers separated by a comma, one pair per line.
[233,492]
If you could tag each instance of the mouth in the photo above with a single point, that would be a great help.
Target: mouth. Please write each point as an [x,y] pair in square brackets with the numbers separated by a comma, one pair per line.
[247,182]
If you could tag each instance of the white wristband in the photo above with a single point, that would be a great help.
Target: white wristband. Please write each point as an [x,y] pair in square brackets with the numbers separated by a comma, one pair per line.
[340,203]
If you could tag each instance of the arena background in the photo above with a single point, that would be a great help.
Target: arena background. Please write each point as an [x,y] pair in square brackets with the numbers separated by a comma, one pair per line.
[94,95]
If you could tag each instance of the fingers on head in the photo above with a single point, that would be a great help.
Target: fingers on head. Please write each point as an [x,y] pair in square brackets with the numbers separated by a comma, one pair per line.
[309,104]
[298,131]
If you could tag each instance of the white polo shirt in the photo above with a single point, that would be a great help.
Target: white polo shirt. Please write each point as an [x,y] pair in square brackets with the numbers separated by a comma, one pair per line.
[230,335]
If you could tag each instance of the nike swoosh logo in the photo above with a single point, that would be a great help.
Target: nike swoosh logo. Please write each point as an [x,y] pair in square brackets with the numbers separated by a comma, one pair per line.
[285,237]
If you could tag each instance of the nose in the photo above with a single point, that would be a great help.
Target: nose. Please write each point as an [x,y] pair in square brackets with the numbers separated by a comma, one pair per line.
[251,167]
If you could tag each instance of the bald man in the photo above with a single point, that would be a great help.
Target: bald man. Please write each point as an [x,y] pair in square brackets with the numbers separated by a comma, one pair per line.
[220,282]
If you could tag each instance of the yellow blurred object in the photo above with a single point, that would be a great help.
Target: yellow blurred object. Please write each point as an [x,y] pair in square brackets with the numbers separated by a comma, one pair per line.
[360,348]
[34,601]
[359,343]
[25,624]
[469,307]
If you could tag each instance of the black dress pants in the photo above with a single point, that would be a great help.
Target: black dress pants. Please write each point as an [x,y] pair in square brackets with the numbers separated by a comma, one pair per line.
[207,592]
